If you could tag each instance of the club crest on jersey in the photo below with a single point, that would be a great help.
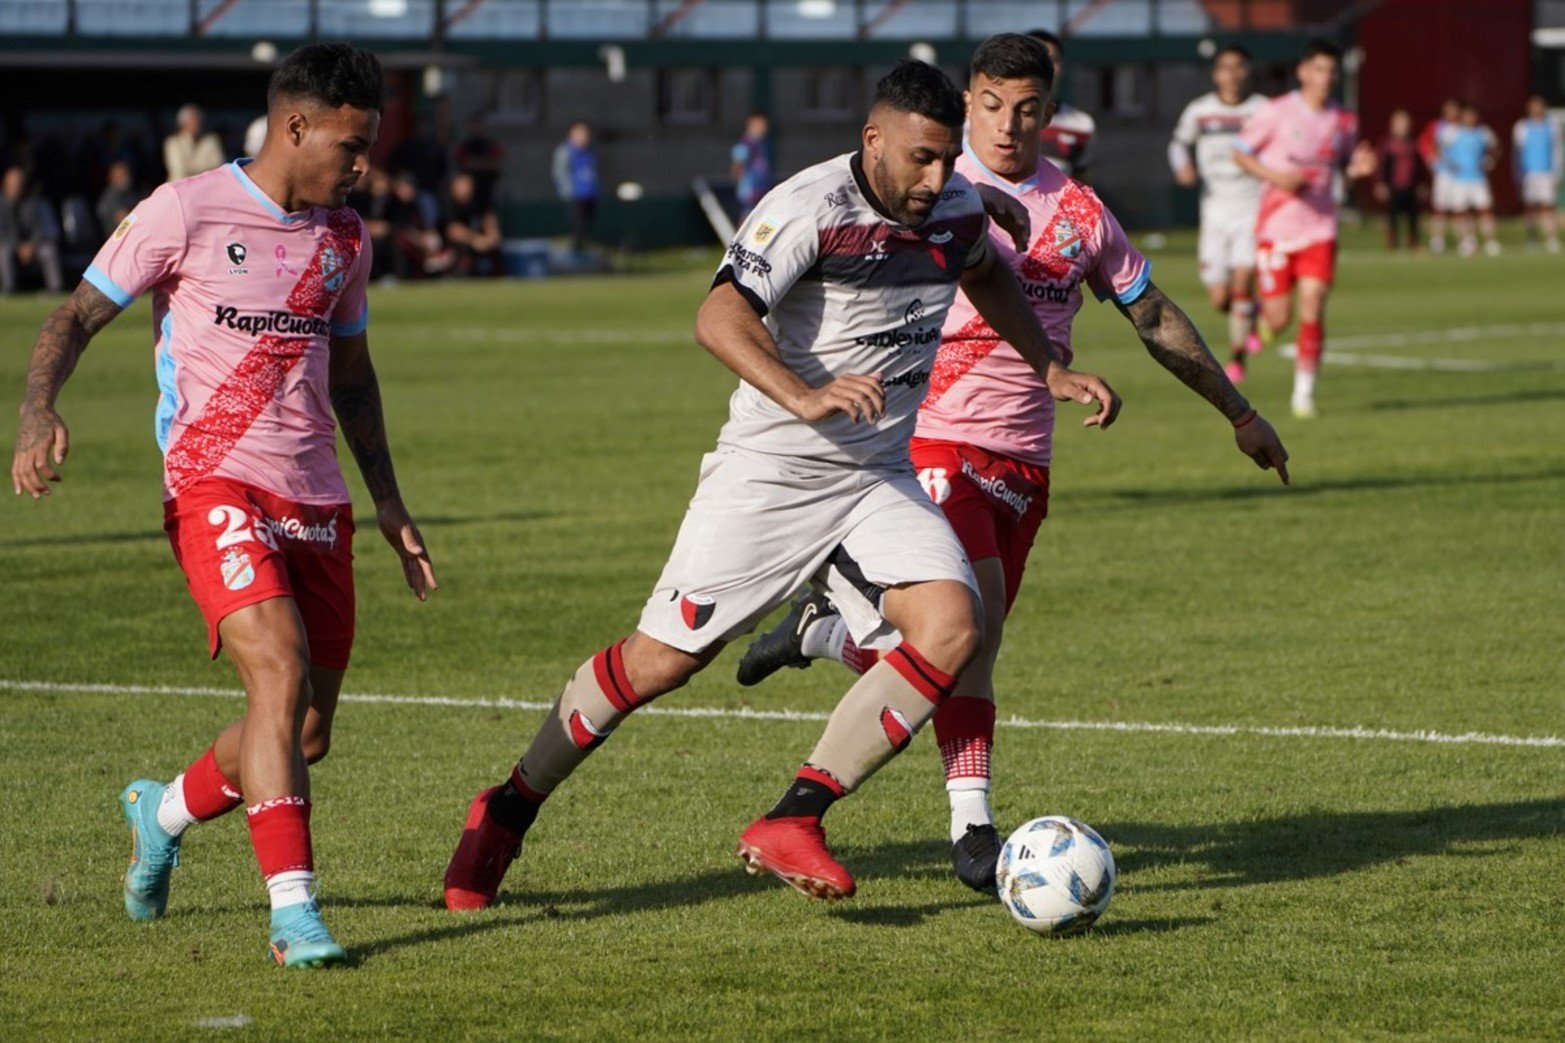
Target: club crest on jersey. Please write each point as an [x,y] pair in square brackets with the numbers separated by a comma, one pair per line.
[1067,241]
[237,571]
[697,609]
[332,271]
[124,229]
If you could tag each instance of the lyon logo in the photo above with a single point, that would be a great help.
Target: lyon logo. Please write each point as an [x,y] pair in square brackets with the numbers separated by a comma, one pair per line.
[896,727]
[237,253]
[697,610]
[237,571]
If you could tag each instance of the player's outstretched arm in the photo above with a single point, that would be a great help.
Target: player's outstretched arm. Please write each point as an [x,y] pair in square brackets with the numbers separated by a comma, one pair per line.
[1172,339]
[42,440]
[992,288]
[355,395]
[729,328]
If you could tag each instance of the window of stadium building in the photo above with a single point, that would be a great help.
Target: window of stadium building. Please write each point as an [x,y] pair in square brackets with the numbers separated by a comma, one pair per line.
[687,96]
[831,95]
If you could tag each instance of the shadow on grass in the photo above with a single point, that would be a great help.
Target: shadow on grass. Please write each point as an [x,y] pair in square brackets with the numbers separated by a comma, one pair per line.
[1507,399]
[1305,487]
[1326,843]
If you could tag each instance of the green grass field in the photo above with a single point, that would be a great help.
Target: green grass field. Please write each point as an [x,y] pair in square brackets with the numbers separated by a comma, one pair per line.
[1272,884]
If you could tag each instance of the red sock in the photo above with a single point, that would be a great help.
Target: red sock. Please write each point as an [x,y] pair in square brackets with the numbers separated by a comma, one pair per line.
[208,792]
[280,833]
[1312,342]
[858,659]
[932,682]
[964,728]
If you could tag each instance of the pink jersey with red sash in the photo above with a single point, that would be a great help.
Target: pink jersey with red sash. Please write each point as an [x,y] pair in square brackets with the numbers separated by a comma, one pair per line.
[246,299]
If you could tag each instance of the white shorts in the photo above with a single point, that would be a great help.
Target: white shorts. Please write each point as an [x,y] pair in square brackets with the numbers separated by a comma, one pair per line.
[1463,196]
[760,528]
[1540,189]
[1227,242]
[1440,194]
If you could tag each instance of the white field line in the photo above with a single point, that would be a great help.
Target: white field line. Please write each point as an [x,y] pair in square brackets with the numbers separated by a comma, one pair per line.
[1343,351]
[1151,727]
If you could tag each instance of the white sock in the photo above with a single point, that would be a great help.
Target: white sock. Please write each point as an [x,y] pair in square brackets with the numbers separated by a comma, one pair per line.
[824,638]
[173,815]
[969,805]
[291,888]
[1303,385]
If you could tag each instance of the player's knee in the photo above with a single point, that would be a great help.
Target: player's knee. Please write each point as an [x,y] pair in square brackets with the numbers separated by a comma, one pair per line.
[952,635]
[655,669]
[315,745]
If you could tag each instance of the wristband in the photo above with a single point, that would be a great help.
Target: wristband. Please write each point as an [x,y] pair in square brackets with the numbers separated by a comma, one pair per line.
[1245,420]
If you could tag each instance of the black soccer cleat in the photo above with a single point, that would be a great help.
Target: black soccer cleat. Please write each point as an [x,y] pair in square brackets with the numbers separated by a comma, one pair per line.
[783,645]
[976,856]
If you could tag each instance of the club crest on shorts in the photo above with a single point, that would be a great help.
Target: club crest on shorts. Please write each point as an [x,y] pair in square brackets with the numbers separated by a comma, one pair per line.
[896,727]
[697,610]
[238,573]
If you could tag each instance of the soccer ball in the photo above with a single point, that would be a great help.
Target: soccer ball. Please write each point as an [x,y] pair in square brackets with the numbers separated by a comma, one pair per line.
[1056,875]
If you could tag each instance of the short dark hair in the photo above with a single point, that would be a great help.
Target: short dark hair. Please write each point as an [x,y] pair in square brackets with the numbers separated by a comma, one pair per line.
[1049,38]
[920,88]
[1014,56]
[332,74]
[1316,48]
[1232,48]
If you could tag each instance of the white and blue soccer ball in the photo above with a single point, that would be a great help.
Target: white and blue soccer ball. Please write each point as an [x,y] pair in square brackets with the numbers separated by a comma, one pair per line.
[1056,875]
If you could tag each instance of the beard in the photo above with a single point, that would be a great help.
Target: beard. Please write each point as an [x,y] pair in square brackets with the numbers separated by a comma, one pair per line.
[897,203]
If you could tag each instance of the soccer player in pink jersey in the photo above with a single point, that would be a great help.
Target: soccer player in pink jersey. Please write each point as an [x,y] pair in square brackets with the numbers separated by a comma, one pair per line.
[258,274]
[983,442]
[1296,144]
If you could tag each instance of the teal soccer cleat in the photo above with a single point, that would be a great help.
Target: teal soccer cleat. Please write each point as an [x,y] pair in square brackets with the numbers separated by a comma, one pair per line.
[300,938]
[153,853]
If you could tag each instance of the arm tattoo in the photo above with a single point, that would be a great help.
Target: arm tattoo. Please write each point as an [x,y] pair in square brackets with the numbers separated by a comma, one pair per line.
[355,395]
[1172,339]
[59,347]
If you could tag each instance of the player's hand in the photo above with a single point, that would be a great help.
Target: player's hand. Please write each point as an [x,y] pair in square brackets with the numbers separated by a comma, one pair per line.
[1382,193]
[1363,161]
[861,398]
[1187,176]
[1066,385]
[405,539]
[1289,180]
[42,443]
[1008,212]
[1260,443]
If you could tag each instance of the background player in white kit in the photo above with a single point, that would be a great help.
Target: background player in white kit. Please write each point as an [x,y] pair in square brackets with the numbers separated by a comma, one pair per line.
[828,306]
[1202,152]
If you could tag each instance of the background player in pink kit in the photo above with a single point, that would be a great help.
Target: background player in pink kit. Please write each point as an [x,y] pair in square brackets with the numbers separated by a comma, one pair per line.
[983,442]
[1296,144]
[258,276]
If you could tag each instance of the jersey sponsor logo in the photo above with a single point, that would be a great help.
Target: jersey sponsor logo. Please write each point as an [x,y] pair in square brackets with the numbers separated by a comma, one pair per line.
[124,229]
[913,378]
[877,251]
[995,486]
[764,231]
[915,311]
[284,323]
[837,198]
[941,238]
[292,528]
[238,572]
[696,610]
[1041,291]
[748,260]
[899,339]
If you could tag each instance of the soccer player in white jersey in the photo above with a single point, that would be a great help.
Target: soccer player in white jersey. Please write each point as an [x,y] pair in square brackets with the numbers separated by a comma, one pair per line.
[828,306]
[1201,152]
[984,438]
[257,271]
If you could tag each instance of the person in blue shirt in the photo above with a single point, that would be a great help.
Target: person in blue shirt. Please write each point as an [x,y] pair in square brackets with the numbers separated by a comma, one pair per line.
[751,163]
[576,179]
[1469,156]
[1536,143]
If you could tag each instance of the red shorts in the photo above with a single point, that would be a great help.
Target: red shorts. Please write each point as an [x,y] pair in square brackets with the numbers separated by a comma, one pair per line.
[1277,271]
[994,503]
[239,546]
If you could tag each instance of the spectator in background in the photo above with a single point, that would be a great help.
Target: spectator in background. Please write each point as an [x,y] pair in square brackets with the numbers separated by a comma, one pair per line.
[481,158]
[119,197]
[1469,156]
[472,229]
[1400,179]
[29,234]
[417,249]
[371,198]
[188,151]
[422,155]
[576,180]
[1537,145]
[751,163]
[1068,136]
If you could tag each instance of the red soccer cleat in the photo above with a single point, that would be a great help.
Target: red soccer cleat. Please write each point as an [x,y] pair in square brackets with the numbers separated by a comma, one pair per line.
[484,853]
[794,850]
